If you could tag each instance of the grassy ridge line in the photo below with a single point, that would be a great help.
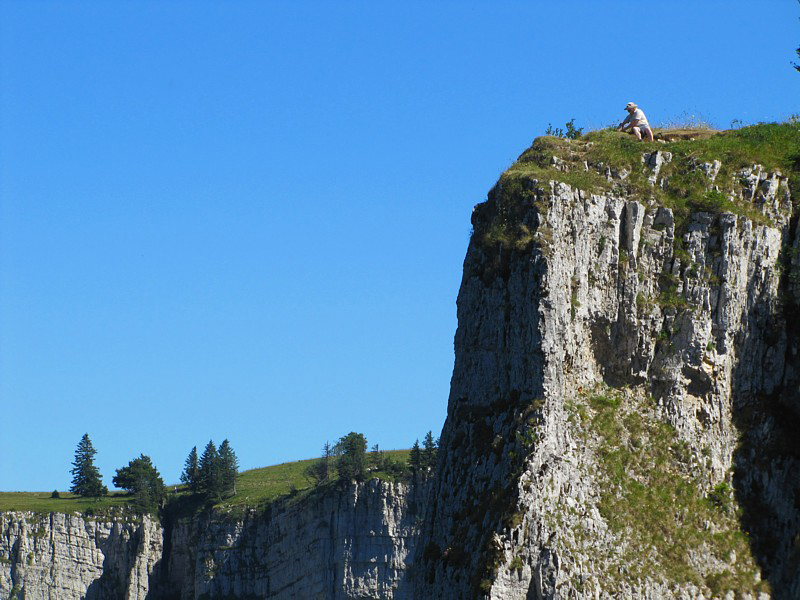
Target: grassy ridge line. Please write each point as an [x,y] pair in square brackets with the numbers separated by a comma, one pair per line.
[256,486]
[775,146]
[581,163]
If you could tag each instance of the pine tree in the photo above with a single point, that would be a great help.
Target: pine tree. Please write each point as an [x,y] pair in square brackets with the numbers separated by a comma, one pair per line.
[415,458]
[328,468]
[210,481]
[86,480]
[429,451]
[191,471]
[229,468]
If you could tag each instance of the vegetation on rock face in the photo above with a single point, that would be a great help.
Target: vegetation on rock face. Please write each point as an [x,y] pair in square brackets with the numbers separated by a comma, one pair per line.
[653,498]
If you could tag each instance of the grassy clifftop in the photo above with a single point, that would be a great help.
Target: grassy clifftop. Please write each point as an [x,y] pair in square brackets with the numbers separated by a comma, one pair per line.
[255,487]
[688,171]
[602,160]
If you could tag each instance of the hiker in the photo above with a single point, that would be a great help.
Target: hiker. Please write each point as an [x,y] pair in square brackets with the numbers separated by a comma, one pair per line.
[636,122]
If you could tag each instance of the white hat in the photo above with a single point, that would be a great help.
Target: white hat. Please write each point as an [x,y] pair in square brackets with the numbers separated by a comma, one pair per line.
[630,105]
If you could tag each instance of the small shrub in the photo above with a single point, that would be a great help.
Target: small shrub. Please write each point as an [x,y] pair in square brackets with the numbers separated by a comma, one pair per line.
[574,304]
[599,402]
[515,520]
[554,131]
[713,201]
[721,497]
[516,564]
[571,133]
[55,494]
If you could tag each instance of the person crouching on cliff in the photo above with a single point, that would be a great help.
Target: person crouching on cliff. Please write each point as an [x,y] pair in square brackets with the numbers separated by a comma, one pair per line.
[636,123]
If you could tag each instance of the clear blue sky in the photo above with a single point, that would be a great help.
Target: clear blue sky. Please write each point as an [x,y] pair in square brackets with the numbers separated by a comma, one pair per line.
[248,219]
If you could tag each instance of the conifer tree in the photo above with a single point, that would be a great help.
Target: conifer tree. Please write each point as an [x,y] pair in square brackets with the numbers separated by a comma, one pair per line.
[328,468]
[415,458]
[191,471]
[429,451]
[229,468]
[86,480]
[210,481]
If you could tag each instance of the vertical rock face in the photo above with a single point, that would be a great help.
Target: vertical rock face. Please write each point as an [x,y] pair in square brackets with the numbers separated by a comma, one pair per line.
[350,543]
[67,556]
[624,398]
[353,544]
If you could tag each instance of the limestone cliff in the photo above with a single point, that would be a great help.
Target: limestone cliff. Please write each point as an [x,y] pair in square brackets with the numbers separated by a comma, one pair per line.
[353,542]
[623,416]
[58,556]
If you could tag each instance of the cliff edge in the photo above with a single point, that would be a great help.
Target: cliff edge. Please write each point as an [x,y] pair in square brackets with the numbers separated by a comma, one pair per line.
[350,541]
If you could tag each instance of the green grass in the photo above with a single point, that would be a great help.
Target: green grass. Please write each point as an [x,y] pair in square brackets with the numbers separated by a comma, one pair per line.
[773,145]
[518,237]
[42,502]
[261,486]
[253,488]
[589,181]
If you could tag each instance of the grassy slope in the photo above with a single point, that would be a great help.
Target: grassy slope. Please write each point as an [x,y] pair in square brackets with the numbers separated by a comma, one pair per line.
[68,503]
[259,486]
[254,487]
